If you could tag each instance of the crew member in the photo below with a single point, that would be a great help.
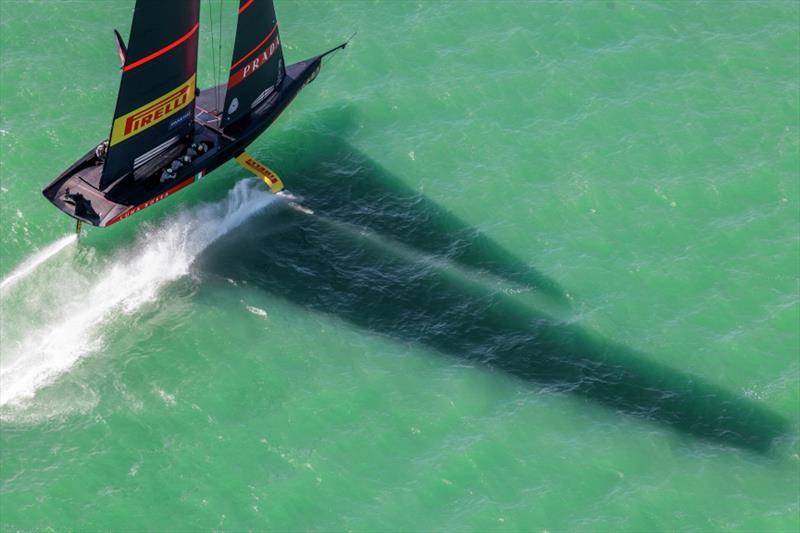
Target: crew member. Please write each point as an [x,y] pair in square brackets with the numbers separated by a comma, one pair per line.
[101,150]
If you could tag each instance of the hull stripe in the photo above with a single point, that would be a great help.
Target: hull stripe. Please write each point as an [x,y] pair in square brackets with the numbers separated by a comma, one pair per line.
[157,198]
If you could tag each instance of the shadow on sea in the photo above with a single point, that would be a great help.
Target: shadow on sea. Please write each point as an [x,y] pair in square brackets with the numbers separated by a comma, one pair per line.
[386,259]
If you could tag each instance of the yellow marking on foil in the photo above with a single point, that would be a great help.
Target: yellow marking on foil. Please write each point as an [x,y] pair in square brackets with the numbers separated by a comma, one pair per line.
[270,178]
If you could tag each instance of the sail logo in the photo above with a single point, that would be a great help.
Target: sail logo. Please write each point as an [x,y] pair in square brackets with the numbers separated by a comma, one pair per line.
[175,122]
[153,112]
[256,63]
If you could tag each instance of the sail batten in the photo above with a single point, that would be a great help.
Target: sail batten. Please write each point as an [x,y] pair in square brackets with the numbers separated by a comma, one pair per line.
[170,46]
[156,96]
[255,49]
[257,67]
[244,5]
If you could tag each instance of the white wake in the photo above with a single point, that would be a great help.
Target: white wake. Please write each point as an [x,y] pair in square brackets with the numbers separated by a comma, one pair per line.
[34,261]
[75,323]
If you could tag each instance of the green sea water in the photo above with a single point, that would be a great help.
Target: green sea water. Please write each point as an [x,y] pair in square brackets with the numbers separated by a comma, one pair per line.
[547,278]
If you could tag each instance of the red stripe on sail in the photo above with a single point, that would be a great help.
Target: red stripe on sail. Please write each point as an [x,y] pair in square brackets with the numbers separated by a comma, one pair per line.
[254,65]
[259,45]
[164,50]
[245,6]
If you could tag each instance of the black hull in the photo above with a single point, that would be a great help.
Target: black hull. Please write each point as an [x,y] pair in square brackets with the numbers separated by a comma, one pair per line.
[77,193]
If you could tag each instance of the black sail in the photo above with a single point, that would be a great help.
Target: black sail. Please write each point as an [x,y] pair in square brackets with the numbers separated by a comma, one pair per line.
[155,104]
[257,63]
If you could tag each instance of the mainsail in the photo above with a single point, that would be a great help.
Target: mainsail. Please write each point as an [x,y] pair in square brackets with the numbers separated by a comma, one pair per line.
[155,104]
[257,65]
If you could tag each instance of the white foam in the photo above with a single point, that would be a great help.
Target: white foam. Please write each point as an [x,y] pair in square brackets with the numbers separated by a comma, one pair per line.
[128,281]
[256,310]
[34,261]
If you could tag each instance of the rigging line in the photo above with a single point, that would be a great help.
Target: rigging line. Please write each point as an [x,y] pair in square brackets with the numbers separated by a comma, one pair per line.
[220,41]
[213,59]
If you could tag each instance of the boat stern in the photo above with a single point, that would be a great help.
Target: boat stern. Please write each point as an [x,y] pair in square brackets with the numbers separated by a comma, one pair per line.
[75,193]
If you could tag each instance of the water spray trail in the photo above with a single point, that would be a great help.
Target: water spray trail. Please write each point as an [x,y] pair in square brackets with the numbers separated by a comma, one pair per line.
[130,280]
[34,261]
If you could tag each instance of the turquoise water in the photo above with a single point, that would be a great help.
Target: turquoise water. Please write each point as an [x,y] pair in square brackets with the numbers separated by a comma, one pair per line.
[549,280]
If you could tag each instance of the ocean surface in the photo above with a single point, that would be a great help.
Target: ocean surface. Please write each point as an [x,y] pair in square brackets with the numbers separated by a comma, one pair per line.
[545,277]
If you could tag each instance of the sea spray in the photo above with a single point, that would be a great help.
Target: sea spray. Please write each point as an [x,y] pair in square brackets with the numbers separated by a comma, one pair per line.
[75,320]
[34,261]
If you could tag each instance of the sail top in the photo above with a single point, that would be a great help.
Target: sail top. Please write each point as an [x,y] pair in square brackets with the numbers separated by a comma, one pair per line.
[155,103]
[257,64]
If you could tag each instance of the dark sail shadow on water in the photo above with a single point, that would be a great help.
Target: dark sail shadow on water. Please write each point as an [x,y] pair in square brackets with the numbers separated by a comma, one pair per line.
[324,263]
[343,185]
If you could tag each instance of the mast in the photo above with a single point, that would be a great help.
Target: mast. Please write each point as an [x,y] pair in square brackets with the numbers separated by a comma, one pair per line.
[257,65]
[155,103]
